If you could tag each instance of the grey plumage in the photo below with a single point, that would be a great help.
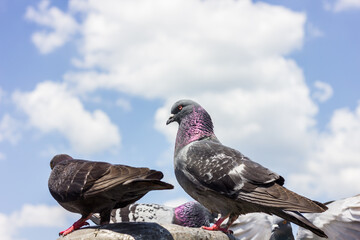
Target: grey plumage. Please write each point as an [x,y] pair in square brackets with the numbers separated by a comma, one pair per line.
[224,180]
[190,214]
[88,187]
[261,226]
[254,226]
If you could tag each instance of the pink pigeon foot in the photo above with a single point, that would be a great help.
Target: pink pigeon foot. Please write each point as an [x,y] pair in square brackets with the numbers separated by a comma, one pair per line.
[78,224]
[216,226]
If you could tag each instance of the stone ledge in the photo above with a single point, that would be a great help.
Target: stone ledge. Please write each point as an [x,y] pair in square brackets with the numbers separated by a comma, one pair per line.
[145,231]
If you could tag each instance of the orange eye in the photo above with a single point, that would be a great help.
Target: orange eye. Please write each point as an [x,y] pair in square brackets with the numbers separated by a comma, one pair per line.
[180,107]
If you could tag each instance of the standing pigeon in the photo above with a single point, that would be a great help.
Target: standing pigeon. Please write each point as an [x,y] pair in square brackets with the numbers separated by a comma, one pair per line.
[88,187]
[224,180]
[190,214]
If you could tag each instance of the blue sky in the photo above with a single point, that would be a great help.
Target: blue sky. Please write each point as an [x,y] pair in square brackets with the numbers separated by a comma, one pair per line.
[96,80]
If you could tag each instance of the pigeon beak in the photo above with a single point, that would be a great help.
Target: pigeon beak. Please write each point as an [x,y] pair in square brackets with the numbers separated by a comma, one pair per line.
[275,227]
[171,119]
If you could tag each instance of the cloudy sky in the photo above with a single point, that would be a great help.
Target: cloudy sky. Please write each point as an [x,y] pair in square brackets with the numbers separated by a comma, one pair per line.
[96,80]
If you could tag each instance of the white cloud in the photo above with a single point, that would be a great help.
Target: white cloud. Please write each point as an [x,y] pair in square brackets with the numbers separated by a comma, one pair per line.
[334,167]
[324,91]
[342,5]
[161,55]
[52,107]
[9,129]
[31,216]
[62,24]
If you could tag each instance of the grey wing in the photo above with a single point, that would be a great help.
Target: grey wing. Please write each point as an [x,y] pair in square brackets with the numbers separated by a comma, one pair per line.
[226,170]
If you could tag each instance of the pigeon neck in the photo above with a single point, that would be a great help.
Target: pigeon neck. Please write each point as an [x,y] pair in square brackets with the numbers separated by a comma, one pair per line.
[179,215]
[197,125]
[184,216]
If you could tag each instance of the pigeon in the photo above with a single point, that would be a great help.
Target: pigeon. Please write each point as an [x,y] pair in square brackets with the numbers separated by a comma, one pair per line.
[340,221]
[88,187]
[190,214]
[224,180]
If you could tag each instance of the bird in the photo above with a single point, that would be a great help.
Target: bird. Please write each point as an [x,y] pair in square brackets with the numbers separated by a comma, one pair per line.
[224,180]
[88,187]
[189,214]
[340,221]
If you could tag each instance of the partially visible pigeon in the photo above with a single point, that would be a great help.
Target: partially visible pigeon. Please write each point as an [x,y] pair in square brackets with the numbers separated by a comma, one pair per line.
[254,226]
[190,214]
[340,221]
[261,226]
[88,187]
[224,180]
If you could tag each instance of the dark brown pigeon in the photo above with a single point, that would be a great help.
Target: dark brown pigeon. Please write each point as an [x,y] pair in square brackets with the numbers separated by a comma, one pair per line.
[88,187]
[224,180]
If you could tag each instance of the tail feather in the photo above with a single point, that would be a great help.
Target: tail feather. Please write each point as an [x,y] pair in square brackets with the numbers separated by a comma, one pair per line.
[299,219]
[153,174]
[283,198]
[149,184]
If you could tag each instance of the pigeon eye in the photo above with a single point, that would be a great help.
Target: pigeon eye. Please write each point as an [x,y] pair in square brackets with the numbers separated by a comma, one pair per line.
[180,107]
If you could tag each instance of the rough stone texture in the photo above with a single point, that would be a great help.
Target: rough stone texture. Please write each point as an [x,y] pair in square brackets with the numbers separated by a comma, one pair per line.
[144,231]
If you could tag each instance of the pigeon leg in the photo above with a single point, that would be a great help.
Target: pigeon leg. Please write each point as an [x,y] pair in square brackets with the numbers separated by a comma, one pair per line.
[232,218]
[216,226]
[105,217]
[78,224]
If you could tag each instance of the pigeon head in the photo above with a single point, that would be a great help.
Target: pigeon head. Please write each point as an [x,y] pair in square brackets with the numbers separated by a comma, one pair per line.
[193,214]
[194,122]
[59,158]
[281,229]
[181,109]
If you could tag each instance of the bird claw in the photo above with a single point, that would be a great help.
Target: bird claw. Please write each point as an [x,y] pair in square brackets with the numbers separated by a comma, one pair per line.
[75,226]
[85,224]
[212,228]
[66,231]
[217,228]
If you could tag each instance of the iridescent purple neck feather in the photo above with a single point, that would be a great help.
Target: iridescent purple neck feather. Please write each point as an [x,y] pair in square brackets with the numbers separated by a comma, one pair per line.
[196,125]
[193,214]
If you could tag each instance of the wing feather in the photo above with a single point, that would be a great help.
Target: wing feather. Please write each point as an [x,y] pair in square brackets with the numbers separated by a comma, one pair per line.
[226,170]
